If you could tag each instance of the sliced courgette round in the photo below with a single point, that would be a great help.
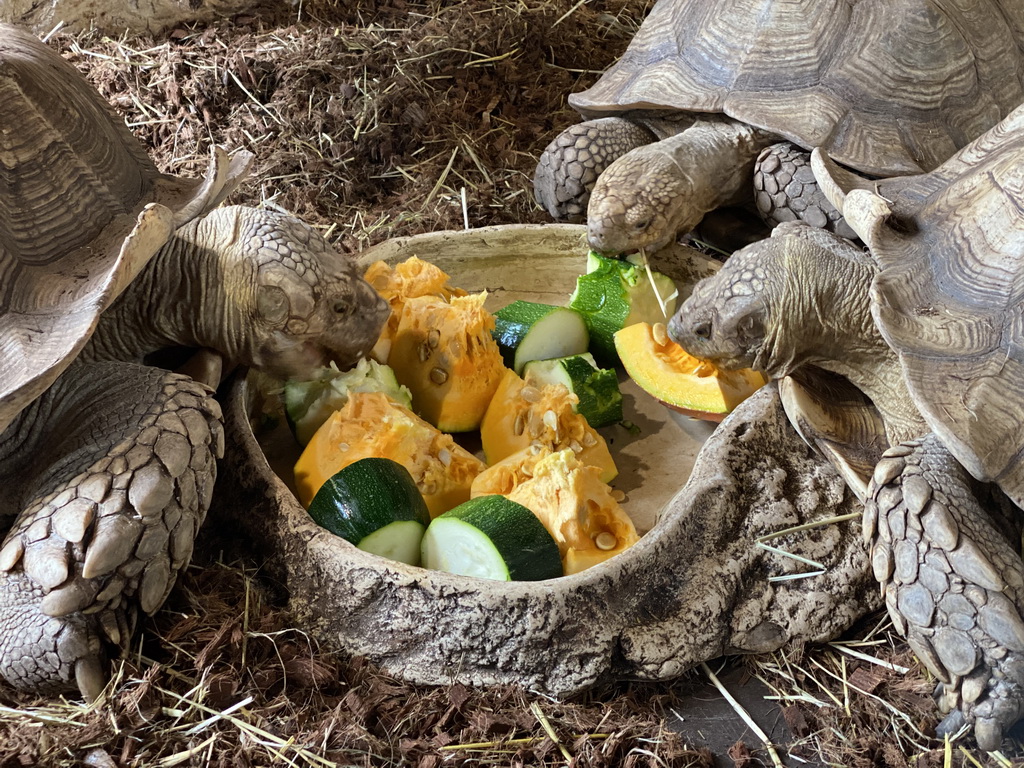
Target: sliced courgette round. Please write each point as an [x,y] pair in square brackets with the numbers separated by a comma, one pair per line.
[526,330]
[374,503]
[491,537]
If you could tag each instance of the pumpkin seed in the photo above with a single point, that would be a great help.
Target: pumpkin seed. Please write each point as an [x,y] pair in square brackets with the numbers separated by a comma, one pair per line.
[438,375]
[519,424]
[660,333]
[606,540]
[433,338]
[530,394]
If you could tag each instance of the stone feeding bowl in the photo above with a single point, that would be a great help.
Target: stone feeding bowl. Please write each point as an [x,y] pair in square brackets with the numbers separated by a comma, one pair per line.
[697,585]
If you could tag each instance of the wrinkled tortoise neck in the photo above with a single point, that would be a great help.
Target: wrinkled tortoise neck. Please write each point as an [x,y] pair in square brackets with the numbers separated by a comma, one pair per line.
[830,295]
[191,294]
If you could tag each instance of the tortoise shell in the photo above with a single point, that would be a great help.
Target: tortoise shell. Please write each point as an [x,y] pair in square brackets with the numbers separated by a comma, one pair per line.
[950,300]
[889,87]
[82,209]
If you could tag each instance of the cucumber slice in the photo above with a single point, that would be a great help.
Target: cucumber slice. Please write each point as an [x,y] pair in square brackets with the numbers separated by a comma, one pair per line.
[614,294]
[308,404]
[491,537]
[374,503]
[600,401]
[526,330]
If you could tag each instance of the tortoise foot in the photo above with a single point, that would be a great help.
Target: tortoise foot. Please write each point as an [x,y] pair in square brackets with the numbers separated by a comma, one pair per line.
[569,167]
[953,583]
[42,653]
[785,190]
[110,517]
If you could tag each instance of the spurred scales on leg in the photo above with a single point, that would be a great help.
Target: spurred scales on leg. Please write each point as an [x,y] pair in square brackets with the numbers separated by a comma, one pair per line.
[107,466]
[110,507]
[953,583]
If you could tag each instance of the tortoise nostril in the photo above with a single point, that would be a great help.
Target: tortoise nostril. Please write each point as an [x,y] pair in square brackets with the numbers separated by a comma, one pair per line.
[702,330]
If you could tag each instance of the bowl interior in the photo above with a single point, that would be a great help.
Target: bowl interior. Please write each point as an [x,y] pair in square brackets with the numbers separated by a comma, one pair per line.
[653,448]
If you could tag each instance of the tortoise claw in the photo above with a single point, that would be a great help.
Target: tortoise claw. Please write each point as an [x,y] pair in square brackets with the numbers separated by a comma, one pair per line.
[90,677]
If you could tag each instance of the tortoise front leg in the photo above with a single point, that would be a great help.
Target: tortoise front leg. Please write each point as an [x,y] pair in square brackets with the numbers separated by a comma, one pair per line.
[953,583]
[569,167]
[116,470]
[785,190]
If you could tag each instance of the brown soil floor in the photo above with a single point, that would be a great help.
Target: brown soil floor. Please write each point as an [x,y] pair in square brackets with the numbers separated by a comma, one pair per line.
[369,120]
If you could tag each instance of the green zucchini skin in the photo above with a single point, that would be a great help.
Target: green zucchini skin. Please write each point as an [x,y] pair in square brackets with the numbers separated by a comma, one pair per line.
[492,537]
[527,330]
[615,293]
[367,496]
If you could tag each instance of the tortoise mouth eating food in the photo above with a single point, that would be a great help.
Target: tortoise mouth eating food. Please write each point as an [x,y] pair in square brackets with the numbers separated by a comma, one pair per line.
[108,465]
[927,326]
[708,89]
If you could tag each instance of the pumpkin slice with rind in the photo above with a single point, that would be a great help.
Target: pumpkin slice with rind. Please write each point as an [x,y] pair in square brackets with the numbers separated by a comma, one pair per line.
[684,383]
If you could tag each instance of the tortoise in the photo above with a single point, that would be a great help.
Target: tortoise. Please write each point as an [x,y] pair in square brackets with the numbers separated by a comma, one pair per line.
[930,327]
[709,89]
[108,464]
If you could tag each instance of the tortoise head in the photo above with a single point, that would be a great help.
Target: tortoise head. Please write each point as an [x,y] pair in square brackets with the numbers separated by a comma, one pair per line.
[289,302]
[642,200]
[779,303]
[726,316]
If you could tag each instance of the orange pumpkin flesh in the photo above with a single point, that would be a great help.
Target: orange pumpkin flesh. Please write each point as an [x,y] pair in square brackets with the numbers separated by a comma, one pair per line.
[444,353]
[577,508]
[372,424]
[408,280]
[520,415]
[684,383]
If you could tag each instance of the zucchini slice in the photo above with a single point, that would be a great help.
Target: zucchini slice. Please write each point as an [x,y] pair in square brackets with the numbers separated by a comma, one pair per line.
[616,293]
[526,330]
[600,401]
[491,537]
[374,504]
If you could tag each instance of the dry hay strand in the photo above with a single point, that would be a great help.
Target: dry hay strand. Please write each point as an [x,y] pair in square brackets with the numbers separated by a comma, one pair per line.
[220,678]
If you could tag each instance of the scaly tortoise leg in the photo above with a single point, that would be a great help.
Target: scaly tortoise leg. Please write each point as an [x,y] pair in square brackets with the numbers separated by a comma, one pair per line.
[953,584]
[116,464]
[569,167]
[785,190]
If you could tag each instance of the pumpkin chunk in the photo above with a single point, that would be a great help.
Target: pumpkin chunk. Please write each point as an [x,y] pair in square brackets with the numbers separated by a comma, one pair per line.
[373,425]
[577,508]
[444,353]
[408,280]
[685,383]
[521,415]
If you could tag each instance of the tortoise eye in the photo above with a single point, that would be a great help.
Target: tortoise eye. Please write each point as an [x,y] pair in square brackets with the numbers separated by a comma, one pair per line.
[702,330]
[342,308]
[642,224]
